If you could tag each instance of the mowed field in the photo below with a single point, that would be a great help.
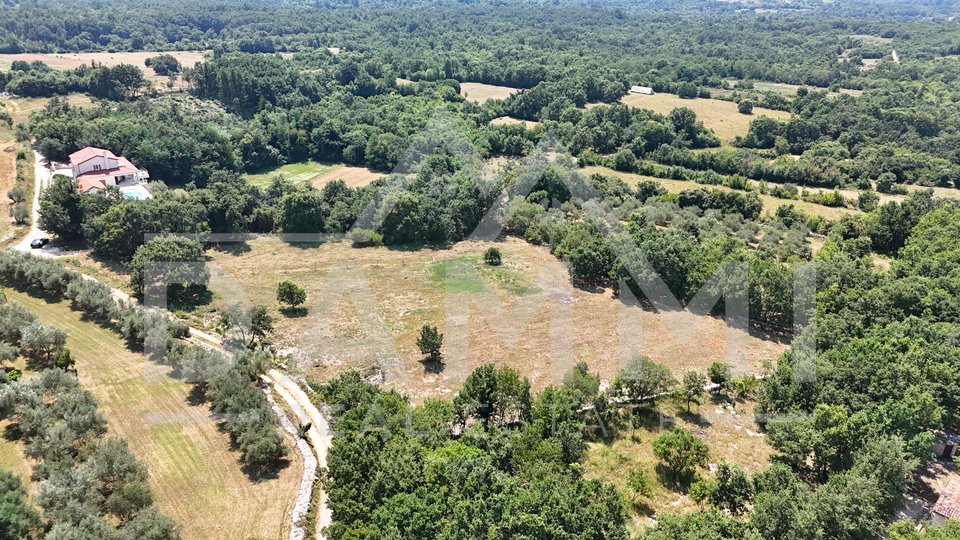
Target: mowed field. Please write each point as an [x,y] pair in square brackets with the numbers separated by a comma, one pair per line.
[719,115]
[479,92]
[365,308]
[72,60]
[196,478]
[317,174]
[770,203]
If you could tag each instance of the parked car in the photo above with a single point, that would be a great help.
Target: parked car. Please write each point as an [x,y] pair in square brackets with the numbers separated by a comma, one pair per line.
[38,243]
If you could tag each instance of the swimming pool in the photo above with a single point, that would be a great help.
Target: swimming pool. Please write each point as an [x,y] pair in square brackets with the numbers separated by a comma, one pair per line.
[137,192]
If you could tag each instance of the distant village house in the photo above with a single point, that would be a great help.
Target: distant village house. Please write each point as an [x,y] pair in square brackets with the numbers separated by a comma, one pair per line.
[646,90]
[95,169]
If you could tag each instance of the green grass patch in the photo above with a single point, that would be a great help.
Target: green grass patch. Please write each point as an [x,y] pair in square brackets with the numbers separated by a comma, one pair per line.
[303,171]
[469,274]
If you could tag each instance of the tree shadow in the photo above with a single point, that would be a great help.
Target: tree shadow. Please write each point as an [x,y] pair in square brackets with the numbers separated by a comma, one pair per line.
[694,417]
[643,508]
[294,312]
[235,249]
[432,365]
[12,433]
[197,395]
[678,483]
[270,472]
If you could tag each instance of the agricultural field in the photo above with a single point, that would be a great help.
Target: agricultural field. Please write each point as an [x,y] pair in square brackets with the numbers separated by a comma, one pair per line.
[73,60]
[719,115]
[770,203]
[729,430]
[195,476]
[365,308]
[480,93]
[316,173]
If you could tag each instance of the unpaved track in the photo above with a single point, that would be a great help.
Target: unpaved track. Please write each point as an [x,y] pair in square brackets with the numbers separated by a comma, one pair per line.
[319,435]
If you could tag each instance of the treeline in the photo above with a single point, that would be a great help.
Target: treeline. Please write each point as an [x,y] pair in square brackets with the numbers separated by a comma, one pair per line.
[36,79]
[90,486]
[520,45]
[231,385]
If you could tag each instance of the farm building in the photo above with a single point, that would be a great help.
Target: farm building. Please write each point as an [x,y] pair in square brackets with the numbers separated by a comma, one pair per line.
[641,90]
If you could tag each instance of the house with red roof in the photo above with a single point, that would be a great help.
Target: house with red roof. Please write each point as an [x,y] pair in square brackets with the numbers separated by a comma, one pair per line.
[95,169]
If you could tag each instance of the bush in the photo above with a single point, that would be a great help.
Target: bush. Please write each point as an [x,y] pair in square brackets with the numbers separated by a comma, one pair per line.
[291,294]
[492,256]
[745,107]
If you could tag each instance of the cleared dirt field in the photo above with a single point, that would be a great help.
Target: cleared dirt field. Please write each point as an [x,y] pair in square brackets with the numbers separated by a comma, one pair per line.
[479,92]
[365,308]
[72,60]
[352,176]
[196,478]
[719,115]
[317,174]
[511,121]
[730,432]
[770,203]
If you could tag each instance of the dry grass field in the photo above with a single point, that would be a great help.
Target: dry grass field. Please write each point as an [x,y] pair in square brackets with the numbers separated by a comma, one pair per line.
[730,432]
[511,121]
[770,203]
[8,176]
[72,60]
[479,92]
[20,108]
[365,308]
[317,174]
[195,476]
[719,115]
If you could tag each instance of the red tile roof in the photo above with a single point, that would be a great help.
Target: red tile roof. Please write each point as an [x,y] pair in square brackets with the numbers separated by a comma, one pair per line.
[948,505]
[98,179]
[86,184]
[89,152]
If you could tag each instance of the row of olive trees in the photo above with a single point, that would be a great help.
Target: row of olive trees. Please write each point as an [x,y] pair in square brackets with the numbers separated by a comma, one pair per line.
[161,338]
[90,486]
[22,334]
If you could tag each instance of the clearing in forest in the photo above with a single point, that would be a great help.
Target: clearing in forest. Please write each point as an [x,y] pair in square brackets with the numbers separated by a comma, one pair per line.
[316,173]
[510,121]
[365,308]
[479,92]
[716,114]
[109,59]
[195,476]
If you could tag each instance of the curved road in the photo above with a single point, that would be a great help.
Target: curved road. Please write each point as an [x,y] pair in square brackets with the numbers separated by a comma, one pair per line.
[297,400]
